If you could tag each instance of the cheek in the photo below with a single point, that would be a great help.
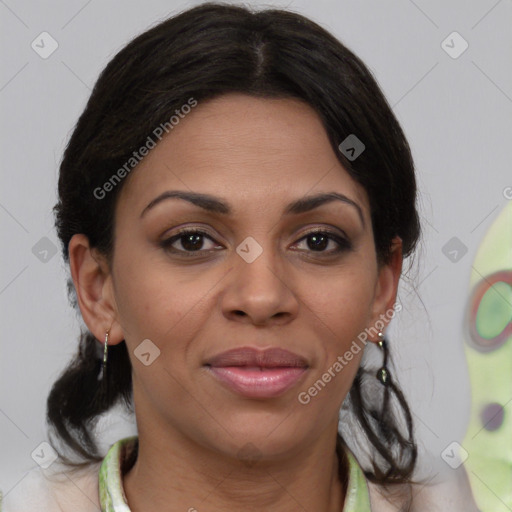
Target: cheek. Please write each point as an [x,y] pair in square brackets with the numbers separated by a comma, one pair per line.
[158,303]
[341,312]
[344,301]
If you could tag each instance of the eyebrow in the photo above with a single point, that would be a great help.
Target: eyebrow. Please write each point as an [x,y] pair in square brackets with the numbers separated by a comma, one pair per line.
[216,205]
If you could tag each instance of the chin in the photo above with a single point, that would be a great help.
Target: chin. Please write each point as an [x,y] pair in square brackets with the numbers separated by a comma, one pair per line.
[253,437]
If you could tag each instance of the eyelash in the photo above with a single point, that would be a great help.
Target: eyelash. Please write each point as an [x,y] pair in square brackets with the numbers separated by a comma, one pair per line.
[343,244]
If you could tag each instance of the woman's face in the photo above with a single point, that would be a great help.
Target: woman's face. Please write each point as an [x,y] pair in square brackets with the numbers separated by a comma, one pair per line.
[251,276]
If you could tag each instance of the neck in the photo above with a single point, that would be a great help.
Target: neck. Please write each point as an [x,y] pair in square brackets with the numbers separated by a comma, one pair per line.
[174,473]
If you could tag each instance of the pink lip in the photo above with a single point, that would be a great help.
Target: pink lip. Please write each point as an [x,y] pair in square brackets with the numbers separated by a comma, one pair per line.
[258,374]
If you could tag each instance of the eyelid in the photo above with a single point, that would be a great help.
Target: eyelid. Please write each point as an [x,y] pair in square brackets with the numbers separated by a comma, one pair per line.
[188,229]
[327,229]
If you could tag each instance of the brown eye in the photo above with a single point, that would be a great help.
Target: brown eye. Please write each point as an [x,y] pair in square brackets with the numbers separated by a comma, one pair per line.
[191,240]
[318,241]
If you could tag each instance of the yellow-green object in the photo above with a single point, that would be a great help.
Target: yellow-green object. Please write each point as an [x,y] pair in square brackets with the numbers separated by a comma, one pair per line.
[489,354]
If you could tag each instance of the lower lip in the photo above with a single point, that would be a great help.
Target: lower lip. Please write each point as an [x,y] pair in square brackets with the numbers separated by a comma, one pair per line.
[256,383]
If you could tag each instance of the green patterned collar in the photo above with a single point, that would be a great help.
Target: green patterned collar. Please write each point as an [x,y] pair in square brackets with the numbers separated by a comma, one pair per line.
[113,498]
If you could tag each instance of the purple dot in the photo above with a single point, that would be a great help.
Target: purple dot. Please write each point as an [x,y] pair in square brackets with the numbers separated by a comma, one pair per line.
[492,416]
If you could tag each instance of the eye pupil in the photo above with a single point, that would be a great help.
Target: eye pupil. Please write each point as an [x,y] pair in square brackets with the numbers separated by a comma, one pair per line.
[192,241]
[319,241]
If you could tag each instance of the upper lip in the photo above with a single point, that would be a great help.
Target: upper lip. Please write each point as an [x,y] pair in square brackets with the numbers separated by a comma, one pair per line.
[268,358]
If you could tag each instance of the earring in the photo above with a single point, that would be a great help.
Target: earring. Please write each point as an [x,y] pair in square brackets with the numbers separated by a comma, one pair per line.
[383,375]
[105,355]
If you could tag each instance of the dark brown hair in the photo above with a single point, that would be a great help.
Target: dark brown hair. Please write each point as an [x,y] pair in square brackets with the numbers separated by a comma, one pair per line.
[202,53]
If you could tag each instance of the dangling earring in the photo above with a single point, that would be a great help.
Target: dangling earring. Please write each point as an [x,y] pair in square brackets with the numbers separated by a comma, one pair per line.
[105,355]
[383,375]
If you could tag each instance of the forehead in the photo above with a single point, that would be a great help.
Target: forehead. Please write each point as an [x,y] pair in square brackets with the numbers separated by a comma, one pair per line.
[258,150]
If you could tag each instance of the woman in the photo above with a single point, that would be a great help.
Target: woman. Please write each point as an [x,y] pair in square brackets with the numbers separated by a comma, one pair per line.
[235,204]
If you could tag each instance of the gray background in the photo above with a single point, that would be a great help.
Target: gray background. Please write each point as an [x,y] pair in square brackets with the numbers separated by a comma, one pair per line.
[456,114]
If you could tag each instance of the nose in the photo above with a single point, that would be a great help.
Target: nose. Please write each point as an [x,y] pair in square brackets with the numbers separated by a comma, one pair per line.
[258,293]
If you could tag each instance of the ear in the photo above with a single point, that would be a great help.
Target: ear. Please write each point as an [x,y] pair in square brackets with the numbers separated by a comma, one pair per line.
[386,287]
[93,284]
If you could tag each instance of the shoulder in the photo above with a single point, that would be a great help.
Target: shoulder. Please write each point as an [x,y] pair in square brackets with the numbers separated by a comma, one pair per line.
[60,490]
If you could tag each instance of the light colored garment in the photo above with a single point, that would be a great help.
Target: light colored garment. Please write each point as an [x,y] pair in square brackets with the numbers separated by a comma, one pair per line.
[101,487]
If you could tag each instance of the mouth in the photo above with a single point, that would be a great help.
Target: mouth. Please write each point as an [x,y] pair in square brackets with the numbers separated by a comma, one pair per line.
[256,373]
